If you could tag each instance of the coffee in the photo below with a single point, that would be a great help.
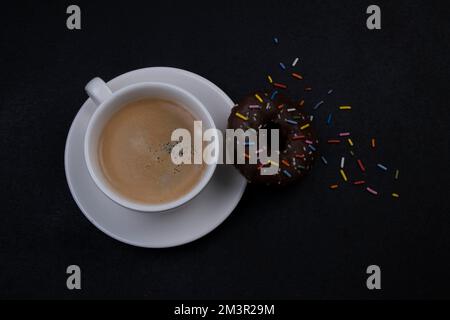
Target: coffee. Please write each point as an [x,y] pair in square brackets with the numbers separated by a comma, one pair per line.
[135,152]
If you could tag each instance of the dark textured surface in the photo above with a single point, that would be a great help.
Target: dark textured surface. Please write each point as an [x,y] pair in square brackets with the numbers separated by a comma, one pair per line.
[303,242]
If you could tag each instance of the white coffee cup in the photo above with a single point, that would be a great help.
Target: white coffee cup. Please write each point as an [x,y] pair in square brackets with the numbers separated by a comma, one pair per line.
[108,102]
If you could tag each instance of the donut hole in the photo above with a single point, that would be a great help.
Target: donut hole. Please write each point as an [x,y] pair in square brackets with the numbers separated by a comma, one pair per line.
[270,125]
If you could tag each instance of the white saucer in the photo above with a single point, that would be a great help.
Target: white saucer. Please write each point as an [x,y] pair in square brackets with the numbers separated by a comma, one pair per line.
[152,230]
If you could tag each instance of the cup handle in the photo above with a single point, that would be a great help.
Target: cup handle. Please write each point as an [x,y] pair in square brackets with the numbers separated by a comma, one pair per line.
[98,91]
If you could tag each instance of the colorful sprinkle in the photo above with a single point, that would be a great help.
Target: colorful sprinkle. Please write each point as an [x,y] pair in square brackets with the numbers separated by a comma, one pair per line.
[280,85]
[373,142]
[371,191]
[308,89]
[275,40]
[350,142]
[382,167]
[282,66]
[329,119]
[358,182]
[344,176]
[280,106]
[239,115]
[330,91]
[342,162]
[298,137]
[270,79]
[324,160]
[273,162]
[273,94]
[345,107]
[333,186]
[295,62]
[333,141]
[287,173]
[290,109]
[254,106]
[344,134]
[258,97]
[311,147]
[352,153]
[308,142]
[304,126]
[297,76]
[395,195]
[291,121]
[361,166]
[302,103]
[397,172]
[318,104]
[285,163]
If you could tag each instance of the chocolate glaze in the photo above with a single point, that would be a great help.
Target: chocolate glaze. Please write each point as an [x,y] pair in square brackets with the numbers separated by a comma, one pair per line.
[297,146]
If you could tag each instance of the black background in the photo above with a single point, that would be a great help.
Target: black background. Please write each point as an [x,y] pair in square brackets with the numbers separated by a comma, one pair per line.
[306,241]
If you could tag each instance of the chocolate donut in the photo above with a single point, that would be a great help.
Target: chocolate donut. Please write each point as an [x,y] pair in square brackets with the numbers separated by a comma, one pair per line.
[297,143]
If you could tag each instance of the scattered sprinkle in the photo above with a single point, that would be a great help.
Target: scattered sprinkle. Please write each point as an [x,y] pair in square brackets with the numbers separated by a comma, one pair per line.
[308,142]
[344,134]
[239,115]
[330,91]
[295,62]
[361,166]
[302,103]
[342,162]
[282,66]
[344,176]
[308,89]
[280,85]
[297,75]
[373,142]
[352,153]
[290,109]
[287,173]
[379,165]
[304,126]
[298,137]
[397,172]
[345,107]
[273,94]
[371,191]
[254,106]
[275,40]
[285,163]
[329,119]
[333,186]
[291,121]
[332,141]
[311,118]
[395,195]
[318,104]
[358,182]
[273,162]
[350,142]
[324,160]
[311,147]
[270,79]
[280,106]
